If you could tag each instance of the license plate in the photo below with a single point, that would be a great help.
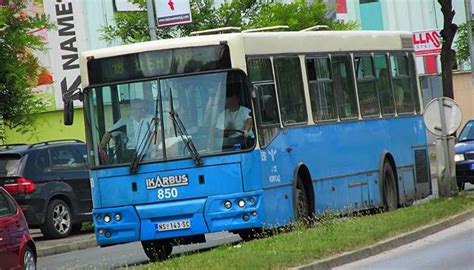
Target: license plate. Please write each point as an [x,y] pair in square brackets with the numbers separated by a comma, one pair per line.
[174,225]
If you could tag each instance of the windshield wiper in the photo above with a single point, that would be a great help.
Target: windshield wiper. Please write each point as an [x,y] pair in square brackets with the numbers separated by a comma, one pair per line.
[186,138]
[140,151]
[183,133]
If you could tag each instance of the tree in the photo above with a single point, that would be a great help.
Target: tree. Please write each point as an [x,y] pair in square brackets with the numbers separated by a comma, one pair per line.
[447,54]
[297,15]
[133,26]
[462,44]
[19,68]
[447,181]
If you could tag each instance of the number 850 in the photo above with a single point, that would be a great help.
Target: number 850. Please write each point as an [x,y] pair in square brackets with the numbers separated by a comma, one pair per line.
[167,193]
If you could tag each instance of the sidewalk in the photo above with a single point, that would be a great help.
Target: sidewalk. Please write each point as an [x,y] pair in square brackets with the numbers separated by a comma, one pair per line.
[79,241]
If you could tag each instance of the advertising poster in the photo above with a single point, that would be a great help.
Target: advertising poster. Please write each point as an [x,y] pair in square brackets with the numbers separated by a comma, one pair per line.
[172,12]
[65,44]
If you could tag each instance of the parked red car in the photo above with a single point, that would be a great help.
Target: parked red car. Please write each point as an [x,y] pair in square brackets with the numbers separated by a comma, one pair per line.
[17,249]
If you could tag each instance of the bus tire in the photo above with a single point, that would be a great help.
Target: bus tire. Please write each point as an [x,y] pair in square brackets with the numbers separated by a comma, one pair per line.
[389,188]
[157,250]
[249,234]
[302,210]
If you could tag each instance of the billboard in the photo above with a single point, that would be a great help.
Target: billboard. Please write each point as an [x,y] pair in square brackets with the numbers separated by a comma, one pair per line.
[172,12]
[65,43]
[427,42]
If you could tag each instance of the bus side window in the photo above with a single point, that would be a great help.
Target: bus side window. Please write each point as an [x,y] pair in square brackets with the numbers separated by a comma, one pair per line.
[402,88]
[290,89]
[414,82]
[368,100]
[321,91]
[344,85]
[384,87]
[261,74]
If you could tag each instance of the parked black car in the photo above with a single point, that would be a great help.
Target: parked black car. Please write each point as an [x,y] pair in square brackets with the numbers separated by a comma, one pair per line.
[50,181]
[464,157]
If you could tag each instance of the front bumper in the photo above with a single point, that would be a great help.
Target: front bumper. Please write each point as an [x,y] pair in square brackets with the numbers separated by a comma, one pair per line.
[206,215]
[465,171]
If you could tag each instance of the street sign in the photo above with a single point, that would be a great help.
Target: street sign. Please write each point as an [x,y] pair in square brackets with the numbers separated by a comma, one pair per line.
[427,42]
[452,116]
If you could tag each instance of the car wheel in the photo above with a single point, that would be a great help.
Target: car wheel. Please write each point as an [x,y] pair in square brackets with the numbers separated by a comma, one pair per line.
[389,189]
[157,250]
[29,259]
[461,186]
[58,220]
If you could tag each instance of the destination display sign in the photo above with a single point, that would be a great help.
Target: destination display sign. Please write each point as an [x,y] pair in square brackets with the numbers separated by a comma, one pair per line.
[158,63]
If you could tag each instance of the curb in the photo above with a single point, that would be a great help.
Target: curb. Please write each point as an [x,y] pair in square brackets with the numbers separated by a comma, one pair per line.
[386,245]
[64,248]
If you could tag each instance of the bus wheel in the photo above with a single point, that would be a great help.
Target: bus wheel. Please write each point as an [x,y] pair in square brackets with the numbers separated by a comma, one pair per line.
[249,234]
[389,189]
[301,203]
[157,250]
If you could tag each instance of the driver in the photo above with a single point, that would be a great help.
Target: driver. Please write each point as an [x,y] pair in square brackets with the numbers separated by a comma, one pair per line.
[235,118]
[135,126]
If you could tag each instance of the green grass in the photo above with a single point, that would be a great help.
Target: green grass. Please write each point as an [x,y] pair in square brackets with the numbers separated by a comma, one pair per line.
[330,237]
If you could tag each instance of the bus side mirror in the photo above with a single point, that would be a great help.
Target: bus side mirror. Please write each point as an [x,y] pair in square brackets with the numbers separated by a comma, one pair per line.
[68,112]
[69,97]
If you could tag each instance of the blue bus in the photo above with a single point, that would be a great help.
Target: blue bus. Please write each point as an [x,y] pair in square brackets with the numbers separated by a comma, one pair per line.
[243,131]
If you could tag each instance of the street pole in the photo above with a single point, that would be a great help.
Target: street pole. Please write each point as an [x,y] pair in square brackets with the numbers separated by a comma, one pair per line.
[151,19]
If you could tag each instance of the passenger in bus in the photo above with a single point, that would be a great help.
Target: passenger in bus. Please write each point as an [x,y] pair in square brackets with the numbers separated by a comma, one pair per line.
[235,121]
[130,131]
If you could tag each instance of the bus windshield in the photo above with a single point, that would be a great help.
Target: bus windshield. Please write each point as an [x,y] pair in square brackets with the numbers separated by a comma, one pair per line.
[166,119]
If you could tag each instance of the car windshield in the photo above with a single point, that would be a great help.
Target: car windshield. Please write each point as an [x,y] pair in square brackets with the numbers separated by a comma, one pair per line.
[140,118]
[467,133]
[9,165]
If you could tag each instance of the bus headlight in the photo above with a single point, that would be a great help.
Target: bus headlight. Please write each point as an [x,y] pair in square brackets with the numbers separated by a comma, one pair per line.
[227,204]
[459,157]
[117,217]
[241,203]
[107,218]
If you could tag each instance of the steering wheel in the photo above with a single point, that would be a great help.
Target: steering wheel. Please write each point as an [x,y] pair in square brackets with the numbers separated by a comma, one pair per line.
[241,133]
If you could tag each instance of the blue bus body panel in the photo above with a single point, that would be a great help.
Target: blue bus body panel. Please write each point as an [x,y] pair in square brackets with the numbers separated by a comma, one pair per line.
[216,180]
[344,161]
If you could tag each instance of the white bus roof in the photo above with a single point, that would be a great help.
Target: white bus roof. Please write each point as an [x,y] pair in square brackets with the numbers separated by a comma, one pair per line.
[269,43]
